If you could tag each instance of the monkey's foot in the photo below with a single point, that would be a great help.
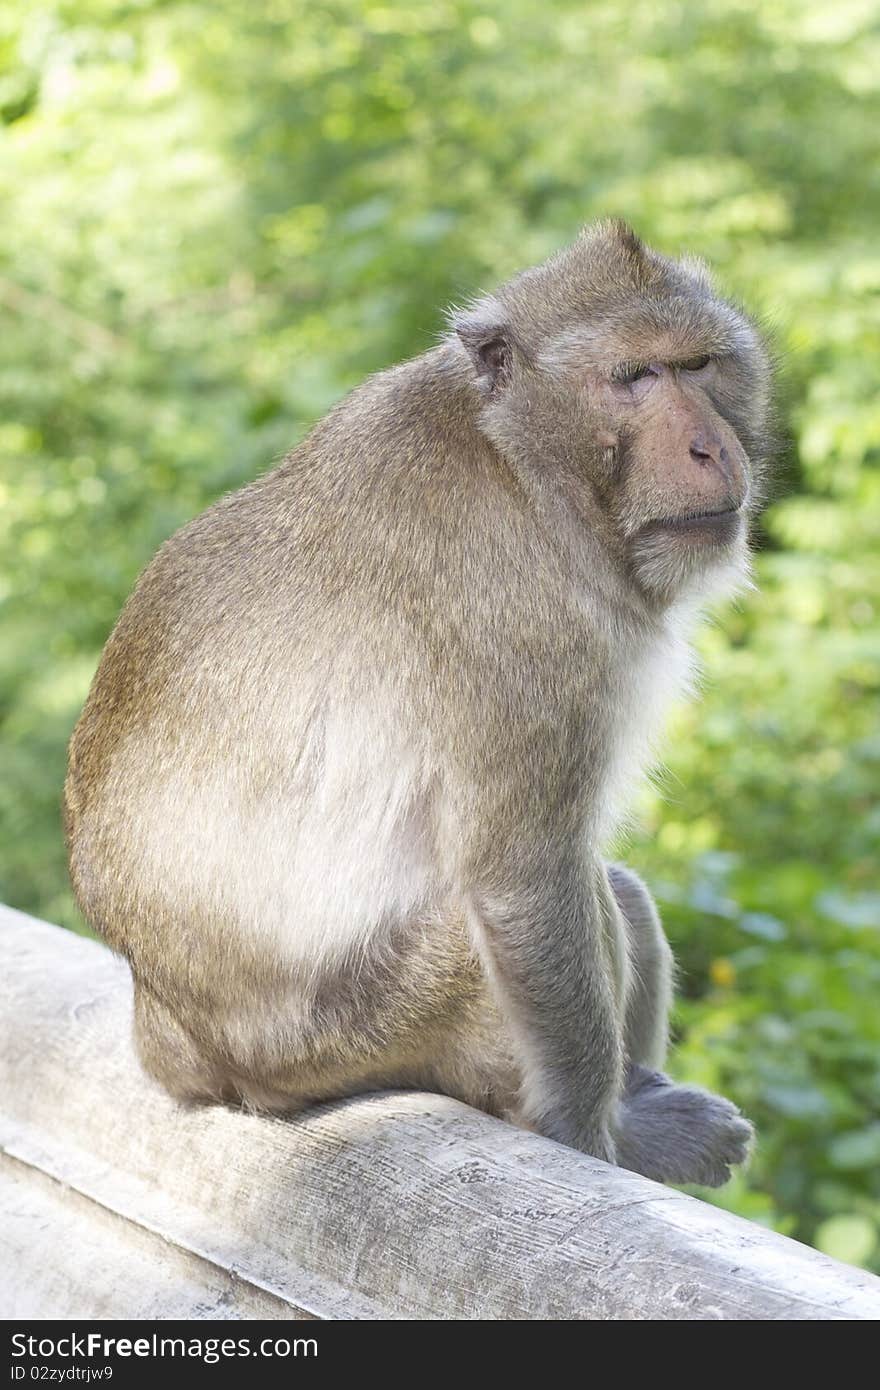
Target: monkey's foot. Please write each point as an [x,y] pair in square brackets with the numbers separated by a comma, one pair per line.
[679,1134]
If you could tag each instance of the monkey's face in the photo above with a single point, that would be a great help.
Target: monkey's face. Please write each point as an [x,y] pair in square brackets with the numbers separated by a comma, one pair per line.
[673,475]
[622,371]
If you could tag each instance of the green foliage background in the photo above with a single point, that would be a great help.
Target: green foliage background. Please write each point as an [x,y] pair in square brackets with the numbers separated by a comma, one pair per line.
[218,217]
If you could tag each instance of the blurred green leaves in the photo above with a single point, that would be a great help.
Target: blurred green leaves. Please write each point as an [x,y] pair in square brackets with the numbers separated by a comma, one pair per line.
[218,217]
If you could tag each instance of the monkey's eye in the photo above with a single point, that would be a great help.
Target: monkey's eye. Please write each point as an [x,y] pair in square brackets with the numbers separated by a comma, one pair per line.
[628,372]
[695,364]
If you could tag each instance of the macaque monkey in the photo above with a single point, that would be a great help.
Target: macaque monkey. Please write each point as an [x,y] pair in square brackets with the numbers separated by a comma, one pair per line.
[363,731]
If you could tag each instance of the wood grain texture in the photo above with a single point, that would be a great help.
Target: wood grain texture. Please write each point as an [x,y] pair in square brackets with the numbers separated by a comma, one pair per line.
[63,1250]
[394,1206]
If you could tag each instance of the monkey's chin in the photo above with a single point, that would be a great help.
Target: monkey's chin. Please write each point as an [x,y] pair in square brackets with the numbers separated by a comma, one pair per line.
[702,556]
[721,527]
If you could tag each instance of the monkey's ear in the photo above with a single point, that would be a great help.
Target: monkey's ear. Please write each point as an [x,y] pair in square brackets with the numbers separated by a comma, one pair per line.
[485,334]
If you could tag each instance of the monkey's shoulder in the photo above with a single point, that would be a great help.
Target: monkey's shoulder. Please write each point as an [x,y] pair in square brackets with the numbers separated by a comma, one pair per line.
[396,481]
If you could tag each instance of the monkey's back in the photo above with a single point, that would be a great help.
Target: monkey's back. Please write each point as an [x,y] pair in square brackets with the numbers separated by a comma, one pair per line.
[255,774]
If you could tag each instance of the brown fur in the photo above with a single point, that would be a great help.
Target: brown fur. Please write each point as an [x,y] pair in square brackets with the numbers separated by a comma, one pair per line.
[343,780]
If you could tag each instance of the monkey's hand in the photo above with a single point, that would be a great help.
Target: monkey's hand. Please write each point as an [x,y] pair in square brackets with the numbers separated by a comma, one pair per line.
[679,1134]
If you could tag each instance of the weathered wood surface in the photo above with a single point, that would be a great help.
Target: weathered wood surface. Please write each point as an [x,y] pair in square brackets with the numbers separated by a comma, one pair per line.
[117,1203]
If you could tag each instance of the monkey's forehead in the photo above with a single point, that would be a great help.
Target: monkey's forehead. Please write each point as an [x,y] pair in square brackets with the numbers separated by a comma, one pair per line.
[662,330]
[626,300]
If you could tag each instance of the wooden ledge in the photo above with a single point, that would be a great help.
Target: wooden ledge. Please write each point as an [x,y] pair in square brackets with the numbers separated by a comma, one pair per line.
[119,1204]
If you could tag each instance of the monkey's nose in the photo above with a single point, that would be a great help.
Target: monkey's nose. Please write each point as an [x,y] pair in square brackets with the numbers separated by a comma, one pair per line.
[707,448]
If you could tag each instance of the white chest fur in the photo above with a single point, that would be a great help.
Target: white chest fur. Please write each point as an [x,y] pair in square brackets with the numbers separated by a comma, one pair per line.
[654,672]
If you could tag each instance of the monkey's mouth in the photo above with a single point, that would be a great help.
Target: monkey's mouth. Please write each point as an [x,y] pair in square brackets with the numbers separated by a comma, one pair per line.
[721,525]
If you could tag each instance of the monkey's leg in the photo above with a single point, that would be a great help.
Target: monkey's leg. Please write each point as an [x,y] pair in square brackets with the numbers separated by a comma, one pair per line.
[416,1013]
[652,971]
[671,1133]
[171,1055]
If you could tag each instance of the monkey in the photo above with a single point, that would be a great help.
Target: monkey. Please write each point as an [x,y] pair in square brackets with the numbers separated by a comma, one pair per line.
[344,784]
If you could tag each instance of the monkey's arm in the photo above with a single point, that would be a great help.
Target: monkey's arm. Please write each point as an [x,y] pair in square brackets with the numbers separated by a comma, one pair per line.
[550,934]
